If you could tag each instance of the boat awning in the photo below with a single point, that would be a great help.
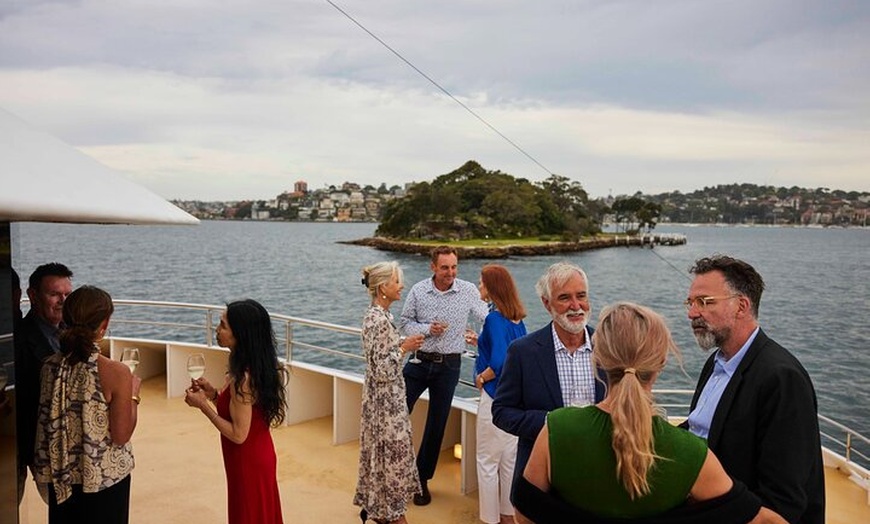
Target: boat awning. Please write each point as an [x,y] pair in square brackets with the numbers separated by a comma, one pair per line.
[43,179]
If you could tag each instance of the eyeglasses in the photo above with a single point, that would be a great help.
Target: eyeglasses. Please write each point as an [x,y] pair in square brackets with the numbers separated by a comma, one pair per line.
[702,302]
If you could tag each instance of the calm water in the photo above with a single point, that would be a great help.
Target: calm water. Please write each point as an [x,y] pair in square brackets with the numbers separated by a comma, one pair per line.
[816,303]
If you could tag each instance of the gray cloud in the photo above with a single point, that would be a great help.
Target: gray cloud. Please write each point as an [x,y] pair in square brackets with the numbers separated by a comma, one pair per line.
[240,99]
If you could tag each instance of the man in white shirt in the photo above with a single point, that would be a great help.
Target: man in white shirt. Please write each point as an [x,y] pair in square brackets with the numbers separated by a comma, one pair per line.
[437,307]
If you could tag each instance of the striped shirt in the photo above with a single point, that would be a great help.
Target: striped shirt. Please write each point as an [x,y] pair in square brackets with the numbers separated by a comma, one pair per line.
[426,304]
[576,376]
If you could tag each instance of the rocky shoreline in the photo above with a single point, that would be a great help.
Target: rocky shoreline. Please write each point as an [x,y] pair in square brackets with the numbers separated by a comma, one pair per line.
[504,251]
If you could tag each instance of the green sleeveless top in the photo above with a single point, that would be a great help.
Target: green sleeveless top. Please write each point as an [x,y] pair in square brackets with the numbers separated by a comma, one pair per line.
[583,465]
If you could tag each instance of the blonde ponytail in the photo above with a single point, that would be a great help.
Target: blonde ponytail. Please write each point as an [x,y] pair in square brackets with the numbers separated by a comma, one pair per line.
[631,344]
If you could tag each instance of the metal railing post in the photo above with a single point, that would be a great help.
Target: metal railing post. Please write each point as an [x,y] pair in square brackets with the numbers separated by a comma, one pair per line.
[288,341]
[209,327]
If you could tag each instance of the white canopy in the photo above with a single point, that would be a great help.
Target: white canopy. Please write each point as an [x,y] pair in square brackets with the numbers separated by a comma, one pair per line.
[43,179]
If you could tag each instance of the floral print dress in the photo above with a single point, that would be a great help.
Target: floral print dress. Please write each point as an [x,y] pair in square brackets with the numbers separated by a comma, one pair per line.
[388,475]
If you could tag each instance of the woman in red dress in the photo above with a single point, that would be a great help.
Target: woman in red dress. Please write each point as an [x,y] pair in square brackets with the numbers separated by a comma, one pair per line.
[251,400]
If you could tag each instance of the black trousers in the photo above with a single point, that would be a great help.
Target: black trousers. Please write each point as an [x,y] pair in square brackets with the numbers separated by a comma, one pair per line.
[109,506]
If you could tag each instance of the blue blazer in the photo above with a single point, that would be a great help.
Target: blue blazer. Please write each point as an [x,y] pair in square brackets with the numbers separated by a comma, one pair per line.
[529,388]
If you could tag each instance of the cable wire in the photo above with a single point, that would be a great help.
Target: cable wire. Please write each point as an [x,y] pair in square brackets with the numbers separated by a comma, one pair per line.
[442,89]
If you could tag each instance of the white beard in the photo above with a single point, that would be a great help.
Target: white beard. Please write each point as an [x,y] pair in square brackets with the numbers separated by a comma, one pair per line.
[567,325]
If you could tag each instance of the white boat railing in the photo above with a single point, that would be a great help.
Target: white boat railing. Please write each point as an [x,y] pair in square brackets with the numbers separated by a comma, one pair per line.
[337,346]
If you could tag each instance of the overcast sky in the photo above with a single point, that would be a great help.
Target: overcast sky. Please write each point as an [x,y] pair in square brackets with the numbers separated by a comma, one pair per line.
[227,100]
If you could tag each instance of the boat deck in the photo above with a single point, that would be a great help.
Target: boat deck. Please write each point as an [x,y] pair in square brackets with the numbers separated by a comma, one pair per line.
[179,474]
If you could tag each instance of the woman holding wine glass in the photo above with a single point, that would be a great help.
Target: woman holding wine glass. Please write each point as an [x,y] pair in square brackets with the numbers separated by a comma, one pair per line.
[388,475]
[88,410]
[250,401]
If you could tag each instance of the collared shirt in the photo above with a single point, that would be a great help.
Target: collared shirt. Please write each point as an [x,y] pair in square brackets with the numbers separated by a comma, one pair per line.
[425,304]
[576,376]
[701,418]
[51,333]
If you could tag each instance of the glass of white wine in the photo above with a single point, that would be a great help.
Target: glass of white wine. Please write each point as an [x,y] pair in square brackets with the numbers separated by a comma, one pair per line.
[130,357]
[196,365]
[471,334]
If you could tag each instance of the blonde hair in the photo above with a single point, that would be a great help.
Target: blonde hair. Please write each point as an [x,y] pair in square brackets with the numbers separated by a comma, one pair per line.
[631,343]
[376,275]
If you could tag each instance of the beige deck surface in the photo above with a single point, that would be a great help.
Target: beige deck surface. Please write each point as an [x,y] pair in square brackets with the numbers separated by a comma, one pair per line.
[179,475]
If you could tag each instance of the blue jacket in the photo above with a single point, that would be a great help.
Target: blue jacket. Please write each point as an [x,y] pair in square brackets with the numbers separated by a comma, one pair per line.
[529,388]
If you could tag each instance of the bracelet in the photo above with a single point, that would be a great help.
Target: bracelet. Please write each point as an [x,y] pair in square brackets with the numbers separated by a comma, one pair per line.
[136,399]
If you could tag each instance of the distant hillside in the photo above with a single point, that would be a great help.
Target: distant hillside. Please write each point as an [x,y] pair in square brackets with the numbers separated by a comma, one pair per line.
[754,204]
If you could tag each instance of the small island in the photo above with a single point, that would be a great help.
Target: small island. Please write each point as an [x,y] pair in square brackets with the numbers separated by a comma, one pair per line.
[468,249]
[490,214]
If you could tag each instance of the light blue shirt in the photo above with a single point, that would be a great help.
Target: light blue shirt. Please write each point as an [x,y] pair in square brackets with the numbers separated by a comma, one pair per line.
[426,304]
[576,376]
[701,418]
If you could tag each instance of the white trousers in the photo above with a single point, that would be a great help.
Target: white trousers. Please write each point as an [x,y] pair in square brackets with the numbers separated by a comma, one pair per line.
[496,457]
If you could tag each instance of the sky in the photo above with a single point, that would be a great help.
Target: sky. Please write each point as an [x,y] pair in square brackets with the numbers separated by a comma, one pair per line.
[231,100]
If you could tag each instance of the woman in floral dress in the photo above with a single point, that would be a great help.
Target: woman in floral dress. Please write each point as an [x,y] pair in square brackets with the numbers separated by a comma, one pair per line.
[388,475]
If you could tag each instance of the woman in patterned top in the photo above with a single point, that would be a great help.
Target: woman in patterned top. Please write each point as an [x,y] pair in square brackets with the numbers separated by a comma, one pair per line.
[387,471]
[87,414]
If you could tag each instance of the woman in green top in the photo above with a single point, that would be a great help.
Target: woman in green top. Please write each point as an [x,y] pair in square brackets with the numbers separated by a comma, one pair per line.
[619,459]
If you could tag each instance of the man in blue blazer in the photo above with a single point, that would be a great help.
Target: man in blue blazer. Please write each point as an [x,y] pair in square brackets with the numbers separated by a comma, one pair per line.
[551,367]
[754,403]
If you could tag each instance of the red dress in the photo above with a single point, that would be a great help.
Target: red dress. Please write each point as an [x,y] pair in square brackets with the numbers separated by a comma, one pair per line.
[252,482]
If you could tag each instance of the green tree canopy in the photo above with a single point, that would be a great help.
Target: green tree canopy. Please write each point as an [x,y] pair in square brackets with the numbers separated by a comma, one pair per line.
[472,202]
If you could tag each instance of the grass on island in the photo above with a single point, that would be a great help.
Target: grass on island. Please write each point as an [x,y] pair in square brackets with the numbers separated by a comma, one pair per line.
[496,242]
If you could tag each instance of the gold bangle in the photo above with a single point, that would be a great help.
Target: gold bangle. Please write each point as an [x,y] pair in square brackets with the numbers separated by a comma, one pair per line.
[136,399]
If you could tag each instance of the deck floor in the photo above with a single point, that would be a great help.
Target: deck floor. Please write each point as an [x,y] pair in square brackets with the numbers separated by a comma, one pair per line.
[179,475]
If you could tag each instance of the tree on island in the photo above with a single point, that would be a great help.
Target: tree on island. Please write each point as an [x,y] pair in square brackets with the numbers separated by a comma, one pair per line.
[635,210]
[472,202]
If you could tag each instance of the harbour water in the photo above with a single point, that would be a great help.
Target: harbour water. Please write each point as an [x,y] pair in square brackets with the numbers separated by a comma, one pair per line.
[816,303]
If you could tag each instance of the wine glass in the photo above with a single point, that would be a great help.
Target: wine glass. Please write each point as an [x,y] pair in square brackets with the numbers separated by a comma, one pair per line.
[130,357]
[196,365]
[471,334]
[414,359]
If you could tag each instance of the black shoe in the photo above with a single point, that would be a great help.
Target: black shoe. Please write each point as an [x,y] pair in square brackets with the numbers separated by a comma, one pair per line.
[423,498]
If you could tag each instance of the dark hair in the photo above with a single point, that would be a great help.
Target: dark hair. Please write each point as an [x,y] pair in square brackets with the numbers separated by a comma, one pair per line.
[16,280]
[741,277]
[52,269]
[84,311]
[255,354]
[502,291]
[441,250]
